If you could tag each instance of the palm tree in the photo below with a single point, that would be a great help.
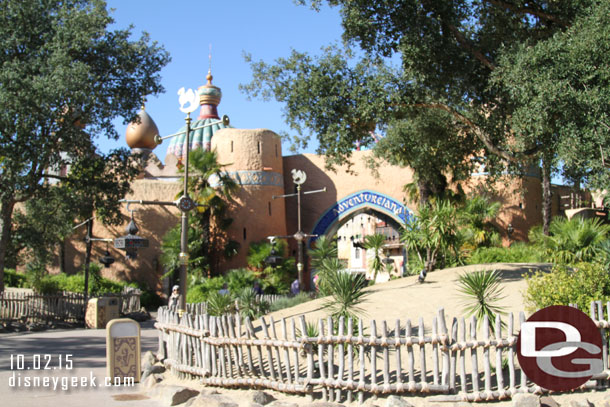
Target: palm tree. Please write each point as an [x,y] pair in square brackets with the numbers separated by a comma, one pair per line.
[375,243]
[572,241]
[476,216]
[212,189]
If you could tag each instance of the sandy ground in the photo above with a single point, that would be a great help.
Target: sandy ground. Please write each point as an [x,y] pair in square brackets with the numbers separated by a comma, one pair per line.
[406,298]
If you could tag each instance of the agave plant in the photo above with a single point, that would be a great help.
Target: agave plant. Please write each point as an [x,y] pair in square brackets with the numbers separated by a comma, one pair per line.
[346,290]
[481,291]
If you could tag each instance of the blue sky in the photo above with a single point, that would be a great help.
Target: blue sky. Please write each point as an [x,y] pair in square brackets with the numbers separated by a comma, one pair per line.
[266,29]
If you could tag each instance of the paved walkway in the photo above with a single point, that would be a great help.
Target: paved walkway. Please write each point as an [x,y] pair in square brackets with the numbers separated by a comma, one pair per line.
[88,350]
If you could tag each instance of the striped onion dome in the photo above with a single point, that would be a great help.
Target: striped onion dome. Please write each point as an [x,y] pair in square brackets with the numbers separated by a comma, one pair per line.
[209,98]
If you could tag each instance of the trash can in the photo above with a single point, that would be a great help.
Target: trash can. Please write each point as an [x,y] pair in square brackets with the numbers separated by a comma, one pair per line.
[123,351]
[100,311]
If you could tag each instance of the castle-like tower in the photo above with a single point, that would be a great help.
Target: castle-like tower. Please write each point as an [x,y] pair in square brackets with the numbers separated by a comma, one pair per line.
[253,159]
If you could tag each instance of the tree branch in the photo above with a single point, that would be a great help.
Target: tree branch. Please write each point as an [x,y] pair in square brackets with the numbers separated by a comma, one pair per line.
[528,10]
[461,39]
[481,134]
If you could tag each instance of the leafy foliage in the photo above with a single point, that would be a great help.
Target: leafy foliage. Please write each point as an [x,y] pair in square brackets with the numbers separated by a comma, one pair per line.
[481,291]
[375,243]
[219,304]
[433,232]
[572,241]
[207,240]
[325,248]
[61,58]
[346,291]
[14,279]
[288,302]
[580,284]
[518,252]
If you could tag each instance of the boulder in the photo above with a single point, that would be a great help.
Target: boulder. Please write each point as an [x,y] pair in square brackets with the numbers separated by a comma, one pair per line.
[396,401]
[526,400]
[548,401]
[173,395]
[283,404]
[261,397]
[148,359]
[581,402]
[211,400]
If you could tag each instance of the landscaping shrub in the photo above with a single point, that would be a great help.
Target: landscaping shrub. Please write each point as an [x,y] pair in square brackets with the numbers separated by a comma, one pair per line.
[14,279]
[580,284]
[289,302]
[239,279]
[517,253]
[481,292]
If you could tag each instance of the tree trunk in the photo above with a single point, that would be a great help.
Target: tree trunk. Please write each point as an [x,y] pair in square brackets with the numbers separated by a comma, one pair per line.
[6,216]
[88,258]
[546,194]
[62,256]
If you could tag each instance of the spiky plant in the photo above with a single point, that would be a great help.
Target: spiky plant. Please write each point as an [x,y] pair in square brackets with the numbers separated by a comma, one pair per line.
[219,304]
[481,292]
[346,291]
[375,243]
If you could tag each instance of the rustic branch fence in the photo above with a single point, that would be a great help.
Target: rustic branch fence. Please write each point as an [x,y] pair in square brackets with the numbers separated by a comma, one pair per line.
[346,360]
[202,307]
[66,306]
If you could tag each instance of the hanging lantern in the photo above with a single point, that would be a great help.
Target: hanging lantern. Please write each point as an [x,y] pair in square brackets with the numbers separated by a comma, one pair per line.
[131,242]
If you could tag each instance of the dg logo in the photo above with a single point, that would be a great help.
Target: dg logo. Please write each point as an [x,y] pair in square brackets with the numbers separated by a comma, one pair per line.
[560,348]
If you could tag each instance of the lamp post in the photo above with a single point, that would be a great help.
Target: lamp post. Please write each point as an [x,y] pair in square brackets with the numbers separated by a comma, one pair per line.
[188,104]
[299,177]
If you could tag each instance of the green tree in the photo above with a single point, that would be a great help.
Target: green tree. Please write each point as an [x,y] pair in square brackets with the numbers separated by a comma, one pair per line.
[375,243]
[476,218]
[434,233]
[424,65]
[212,189]
[60,88]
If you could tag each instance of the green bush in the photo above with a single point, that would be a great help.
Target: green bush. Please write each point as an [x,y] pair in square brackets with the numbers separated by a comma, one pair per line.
[517,253]
[580,284]
[239,279]
[14,279]
[150,300]
[289,302]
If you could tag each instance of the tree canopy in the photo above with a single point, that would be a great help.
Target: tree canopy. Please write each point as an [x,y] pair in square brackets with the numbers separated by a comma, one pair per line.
[449,83]
[64,77]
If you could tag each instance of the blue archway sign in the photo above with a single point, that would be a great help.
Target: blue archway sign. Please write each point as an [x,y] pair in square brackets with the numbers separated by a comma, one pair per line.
[362,199]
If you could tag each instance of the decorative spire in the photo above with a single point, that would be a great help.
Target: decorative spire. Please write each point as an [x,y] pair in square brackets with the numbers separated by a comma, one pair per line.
[209,95]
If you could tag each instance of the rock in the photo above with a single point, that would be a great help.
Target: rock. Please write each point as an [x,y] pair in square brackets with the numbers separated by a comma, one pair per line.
[138,316]
[262,398]
[35,327]
[148,359]
[145,374]
[211,400]
[283,404]
[526,400]
[149,382]
[323,404]
[548,401]
[173,395]
[581,403]
[396,401]
[157,369]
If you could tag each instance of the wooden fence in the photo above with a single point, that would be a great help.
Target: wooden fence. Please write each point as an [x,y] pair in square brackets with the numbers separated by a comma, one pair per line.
[202,307]
[66,306]
[345,360]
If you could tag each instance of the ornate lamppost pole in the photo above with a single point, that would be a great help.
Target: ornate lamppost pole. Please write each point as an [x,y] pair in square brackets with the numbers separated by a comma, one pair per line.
[299,177]
[188,104]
